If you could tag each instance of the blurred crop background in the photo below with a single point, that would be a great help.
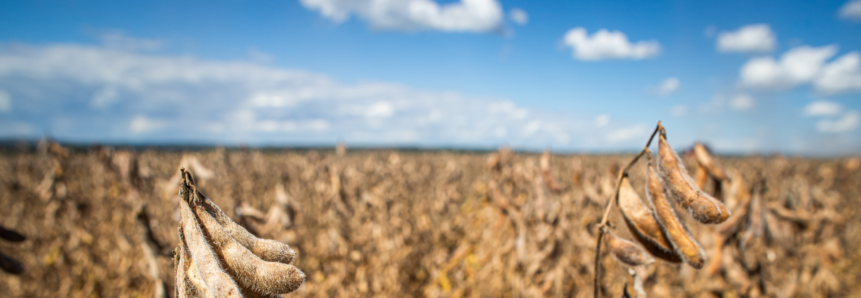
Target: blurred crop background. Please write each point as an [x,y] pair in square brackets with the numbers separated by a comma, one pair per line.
[253,96]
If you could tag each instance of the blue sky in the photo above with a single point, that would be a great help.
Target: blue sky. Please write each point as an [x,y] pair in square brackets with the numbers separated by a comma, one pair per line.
[743,76]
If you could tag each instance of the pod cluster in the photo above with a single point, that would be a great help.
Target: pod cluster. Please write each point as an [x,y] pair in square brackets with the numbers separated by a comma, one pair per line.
[655,223]
[217,257]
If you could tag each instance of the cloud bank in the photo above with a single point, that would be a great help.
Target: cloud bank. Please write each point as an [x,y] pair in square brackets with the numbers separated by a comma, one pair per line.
[97,93]
[104,93]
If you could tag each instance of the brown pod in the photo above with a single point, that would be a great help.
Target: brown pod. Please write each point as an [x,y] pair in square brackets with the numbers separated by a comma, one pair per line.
[739,197]
[706,161]
[755,226]
[643,225]
[544,163]
[701,176]
[197,281]
[216,281]
[684,245]
[756,214]
[187,279]
[626,251]
[249,270]
[702,206]
[497,196]
[267,249]
[739,192]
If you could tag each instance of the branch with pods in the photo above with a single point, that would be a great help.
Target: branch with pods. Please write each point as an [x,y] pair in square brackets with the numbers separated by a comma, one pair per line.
[655,224]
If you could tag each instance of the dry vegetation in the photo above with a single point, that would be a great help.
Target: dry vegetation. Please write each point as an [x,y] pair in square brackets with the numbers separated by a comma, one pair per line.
[103,222]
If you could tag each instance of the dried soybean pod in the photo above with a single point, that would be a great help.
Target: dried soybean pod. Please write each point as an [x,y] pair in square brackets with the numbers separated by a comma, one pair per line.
[755,227]
[715,263]
[216,281]
[626,251]
[677,233]
[739,192]
[701,176]
[196,280]
[643,225]
[266,249]
[706,161]
[739,195]
[185,286]
[249,270]
[702,206]
[544,163]
[756,214]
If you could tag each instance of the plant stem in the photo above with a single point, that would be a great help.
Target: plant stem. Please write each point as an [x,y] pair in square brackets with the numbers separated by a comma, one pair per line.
[606,218]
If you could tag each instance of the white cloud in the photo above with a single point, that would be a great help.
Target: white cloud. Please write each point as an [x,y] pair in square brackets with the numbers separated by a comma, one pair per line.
[805,65]
[841,75]
[747,39]
[628,133]
[143,124]
[822,108]
[741,102]
[5,101]
[679,110]
[668,86]
[380,109]
[849,122]
[851,10]
[163,97]
[519,16]
[605,45]
[797,66]
[602,120]
[412,15]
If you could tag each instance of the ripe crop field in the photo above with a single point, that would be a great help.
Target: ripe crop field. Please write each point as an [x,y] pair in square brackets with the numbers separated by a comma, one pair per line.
[103,223]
